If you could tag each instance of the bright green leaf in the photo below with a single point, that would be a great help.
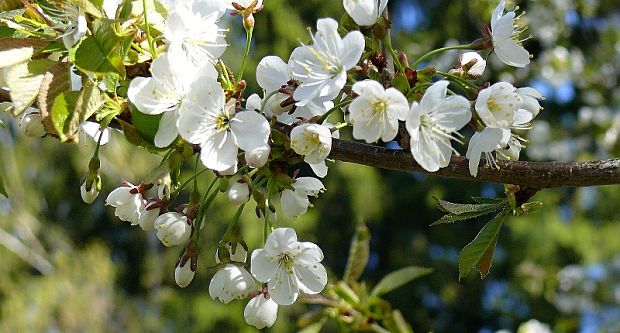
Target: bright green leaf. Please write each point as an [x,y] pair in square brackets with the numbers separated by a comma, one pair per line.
[147,125]
[24,81]
[89,102]
[399,278]
[134,137]
[358,254]
[62,115]
[100,53]
[479,252]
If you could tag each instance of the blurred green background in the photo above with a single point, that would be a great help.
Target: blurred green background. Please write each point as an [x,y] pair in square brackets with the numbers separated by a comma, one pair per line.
[71,267]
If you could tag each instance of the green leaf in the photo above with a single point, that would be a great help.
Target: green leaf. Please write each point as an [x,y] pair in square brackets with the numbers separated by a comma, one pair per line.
[451,218]
[100,53]
[401,83]
[479,252]
[134,137]
[358,254]
[17,50]
[146,124]
[458,209]
[2,124]
[89,102]
[62,115]
[2,189]
[24,81]
[399,278]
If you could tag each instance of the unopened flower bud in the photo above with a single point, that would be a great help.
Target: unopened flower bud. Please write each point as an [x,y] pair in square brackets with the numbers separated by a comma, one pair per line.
[32,125]
[470,65]
[240,254]
[261,312]
[183,273]
[173,229]
[239,193]
[275,103]
[148,217]
[128,202]
[231,282]
[248,21]
[90,194]
[257,157]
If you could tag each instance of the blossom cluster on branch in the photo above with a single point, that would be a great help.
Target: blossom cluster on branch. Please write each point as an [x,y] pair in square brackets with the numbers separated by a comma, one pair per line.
[191,103]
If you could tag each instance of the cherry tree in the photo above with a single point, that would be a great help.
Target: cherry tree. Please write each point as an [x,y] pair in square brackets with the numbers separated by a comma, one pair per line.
[156,76]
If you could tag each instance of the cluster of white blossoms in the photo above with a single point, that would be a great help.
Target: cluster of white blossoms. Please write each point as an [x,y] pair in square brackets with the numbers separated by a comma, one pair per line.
[253,146]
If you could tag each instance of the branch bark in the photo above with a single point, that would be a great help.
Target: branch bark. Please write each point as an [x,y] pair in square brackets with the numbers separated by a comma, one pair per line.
[538,175]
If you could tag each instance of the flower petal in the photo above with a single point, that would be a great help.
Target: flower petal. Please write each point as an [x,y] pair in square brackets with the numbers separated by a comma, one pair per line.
[167,131]
[511,53]
[251,130]
[271,73]
[283,288]
[263,267]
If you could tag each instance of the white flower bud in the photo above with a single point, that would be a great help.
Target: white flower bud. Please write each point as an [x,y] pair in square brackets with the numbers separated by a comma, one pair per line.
[231,282]
[172,229]
[472,64]
[128,205]
[89,196]
[183,275]
[257,157]
[261,312]
[147,218]
[239,193]
[274,103]
[364,13]
[32,126]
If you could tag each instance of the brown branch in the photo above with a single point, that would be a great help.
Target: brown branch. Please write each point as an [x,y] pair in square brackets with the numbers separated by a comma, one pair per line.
[536,175]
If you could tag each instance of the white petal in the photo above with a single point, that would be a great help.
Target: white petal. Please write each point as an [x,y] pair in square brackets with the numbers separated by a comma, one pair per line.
[271,73]
[308,185]
[251,130]
[167,131]
[281,240]
[311,278]
[497,13]
[504,27]
[433,96]
[353,48]
[398,103]
[283,288]
[263,267]
[253,102]
[294,203]
[368,89]
[219,152]
[482,142]
[261,312]
[511,53]
[453,114]
[319,169]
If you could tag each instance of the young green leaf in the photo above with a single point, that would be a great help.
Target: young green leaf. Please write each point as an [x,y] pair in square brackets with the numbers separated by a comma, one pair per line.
[54,82]
[100,53]
[479,252]
[62,115]
[458,209]
[399,278]
[358,254]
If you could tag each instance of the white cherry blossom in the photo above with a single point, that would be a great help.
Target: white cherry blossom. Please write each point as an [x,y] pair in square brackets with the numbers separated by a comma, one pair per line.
[431,125]
[231,282]
[148,217]
[165,91]
[173,229]
[314,143]
[364,12]
[295,202]
[485,142]
[261,312]
[192,30]
[321,68]
[208,120]
[257,157]
[271,74]
[289,266]
[128,202]
[505,35]
[77,25]
[375,112]
[497,105]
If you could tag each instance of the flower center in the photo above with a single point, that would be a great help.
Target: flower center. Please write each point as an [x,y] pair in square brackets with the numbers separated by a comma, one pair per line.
[379,106]
[222,123]
[286,260]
